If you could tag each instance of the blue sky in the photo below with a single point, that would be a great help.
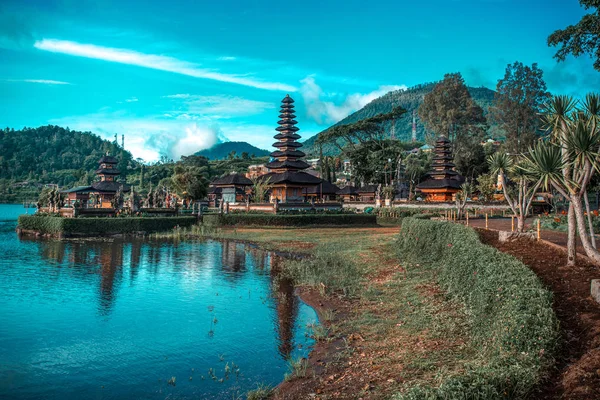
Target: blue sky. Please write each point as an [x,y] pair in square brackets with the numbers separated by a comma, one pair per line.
[177,76]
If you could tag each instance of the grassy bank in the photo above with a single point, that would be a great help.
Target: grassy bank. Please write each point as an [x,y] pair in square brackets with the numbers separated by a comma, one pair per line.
[58,226]
[289,220]
[391,331]
[512,323]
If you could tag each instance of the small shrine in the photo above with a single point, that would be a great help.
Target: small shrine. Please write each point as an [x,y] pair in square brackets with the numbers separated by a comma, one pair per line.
[100,194]
[232,188]
[289,181]
[442,182]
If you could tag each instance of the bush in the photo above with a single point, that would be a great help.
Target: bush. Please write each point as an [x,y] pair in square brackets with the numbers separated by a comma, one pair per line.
[511,312]
[289,220]
[101,226]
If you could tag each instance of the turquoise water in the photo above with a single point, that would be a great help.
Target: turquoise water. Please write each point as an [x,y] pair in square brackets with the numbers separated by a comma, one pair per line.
[118,319]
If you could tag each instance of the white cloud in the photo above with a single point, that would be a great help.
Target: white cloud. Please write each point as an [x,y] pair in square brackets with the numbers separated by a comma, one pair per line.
[328,112]
[131,100]
[190,106]
[226,58]
[43,81]
[153,61]
[148,138]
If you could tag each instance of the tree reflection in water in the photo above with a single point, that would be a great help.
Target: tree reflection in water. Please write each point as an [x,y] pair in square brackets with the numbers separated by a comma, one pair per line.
[236,257]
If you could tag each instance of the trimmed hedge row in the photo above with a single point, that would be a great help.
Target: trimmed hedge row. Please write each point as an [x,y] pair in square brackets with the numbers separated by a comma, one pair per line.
[238,219]
[511,312]
[101,226]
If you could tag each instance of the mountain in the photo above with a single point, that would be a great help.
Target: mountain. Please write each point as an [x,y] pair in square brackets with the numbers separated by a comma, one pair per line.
[410,99]
[32,157]
[222,150]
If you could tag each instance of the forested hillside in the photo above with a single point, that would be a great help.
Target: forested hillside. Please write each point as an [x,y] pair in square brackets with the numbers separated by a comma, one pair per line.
[410,100]
[32,157]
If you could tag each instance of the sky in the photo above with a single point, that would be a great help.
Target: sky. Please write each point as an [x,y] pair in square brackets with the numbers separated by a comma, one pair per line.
[177,77]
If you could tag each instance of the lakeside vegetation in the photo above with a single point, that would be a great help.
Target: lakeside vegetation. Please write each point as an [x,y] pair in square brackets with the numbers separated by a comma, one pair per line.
[432,298]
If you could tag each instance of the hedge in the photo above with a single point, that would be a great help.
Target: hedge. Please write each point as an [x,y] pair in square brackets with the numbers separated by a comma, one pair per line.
[238,219]
[513,323]
[100,226]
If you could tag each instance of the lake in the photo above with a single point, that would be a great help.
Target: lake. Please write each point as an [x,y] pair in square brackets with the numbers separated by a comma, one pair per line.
[119,319]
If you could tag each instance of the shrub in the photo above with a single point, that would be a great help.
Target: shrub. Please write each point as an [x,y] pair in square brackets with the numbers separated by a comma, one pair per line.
[41,223]
[512,317]
[101,226]
[290,220]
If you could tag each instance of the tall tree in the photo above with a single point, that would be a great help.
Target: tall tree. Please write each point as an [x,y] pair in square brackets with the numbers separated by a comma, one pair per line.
[519,99]
[449,110]
[581,38]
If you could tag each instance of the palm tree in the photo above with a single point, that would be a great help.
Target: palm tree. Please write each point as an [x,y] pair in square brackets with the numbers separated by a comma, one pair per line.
[526,184]
[556,120]
[582,160]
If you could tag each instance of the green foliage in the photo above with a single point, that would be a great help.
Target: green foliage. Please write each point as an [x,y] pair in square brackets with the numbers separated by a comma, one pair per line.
[243,219]
[511,313]
[450,110]
[409,99]
[518,102]
[327,270]
[101,226]
[262,392]
[32,157]
[486,186]
[581,38]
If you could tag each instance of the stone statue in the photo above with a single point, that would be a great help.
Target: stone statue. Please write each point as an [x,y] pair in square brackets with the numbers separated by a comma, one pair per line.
[378,192]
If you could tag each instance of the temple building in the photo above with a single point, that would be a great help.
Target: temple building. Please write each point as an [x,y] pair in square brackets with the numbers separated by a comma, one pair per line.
[290,183]
[325,191]
[101,193]
[232,188]
[348,193]
[443,182]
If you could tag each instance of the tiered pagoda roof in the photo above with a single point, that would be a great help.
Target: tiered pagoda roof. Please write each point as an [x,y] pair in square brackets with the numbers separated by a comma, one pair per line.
[442,174]
[288,166]
[287,153]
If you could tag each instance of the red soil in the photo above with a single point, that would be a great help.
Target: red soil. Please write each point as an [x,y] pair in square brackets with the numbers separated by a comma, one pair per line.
[577,372]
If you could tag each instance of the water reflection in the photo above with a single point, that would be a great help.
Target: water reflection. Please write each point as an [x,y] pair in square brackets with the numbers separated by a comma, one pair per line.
[237,259]
[130,313]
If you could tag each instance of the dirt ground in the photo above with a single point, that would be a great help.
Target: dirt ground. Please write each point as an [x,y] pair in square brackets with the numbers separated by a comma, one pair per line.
[577,372]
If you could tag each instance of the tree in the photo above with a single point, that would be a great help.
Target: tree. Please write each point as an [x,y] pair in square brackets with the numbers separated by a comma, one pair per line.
[466,190]
[417,166]
[486,186]
[449,110]
[190,182]
[582,38]
[520,190]
[260,188]
[518,101]
[570,162]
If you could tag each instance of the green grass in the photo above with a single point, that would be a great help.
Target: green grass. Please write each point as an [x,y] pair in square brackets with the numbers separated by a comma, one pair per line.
[512,324]
[262,392]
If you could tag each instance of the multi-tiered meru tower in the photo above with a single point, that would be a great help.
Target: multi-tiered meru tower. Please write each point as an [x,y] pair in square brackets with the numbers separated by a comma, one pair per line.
[290,182]
[443,181]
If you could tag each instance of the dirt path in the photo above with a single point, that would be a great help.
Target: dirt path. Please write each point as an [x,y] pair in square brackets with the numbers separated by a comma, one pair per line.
[577,373]
[504,224]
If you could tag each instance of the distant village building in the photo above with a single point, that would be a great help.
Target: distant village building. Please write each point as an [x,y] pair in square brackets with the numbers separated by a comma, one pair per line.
[101,193]
[443,181]
[290,183]
[256,170]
